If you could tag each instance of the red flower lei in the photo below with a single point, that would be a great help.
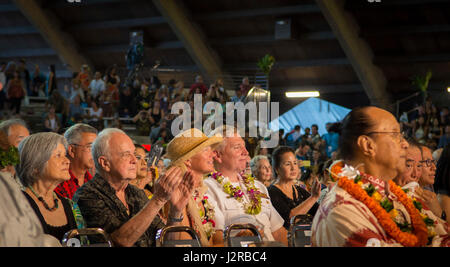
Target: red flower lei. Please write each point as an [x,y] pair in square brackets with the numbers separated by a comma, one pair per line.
[418,238]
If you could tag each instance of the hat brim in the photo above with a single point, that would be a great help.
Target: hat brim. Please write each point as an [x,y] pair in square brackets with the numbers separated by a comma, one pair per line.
[211,141]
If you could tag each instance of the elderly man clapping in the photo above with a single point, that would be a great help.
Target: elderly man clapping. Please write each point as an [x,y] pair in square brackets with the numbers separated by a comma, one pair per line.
[123,210]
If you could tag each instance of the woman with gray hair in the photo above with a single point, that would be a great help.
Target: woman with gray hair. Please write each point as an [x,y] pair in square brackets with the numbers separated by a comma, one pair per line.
[261,169]
[43,166]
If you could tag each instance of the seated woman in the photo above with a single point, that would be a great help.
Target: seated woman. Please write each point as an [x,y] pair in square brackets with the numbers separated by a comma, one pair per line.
[194,154]
[144,177]
[262,170]
[43,166]
[95,115]
[52,122]
[288,198]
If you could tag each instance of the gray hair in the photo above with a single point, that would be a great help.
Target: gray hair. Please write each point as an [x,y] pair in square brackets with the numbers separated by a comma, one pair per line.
[4,126]
[34,152]
[101,147]
[254,163]
[73,134]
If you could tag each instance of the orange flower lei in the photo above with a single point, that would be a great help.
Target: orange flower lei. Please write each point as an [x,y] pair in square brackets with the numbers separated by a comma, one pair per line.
[420,234]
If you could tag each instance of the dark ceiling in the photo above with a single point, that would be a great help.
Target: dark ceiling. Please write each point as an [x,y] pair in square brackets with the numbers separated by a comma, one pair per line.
[406,37]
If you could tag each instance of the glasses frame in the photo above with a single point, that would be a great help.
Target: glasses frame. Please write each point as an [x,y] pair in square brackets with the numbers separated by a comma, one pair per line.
[85,147]
[428,162]
[402,134]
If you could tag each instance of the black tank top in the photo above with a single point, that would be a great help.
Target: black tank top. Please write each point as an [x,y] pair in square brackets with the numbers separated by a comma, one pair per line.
[57,232]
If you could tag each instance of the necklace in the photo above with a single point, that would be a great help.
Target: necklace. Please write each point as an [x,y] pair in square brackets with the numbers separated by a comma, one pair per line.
[41,199]
[254,195]
[382,208]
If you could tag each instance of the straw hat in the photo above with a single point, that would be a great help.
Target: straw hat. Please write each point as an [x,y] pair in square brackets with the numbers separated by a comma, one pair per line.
[188,143]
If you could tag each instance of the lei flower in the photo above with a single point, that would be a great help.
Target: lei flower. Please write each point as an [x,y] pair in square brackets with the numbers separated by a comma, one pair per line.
[207,216]
[254,206]
[408,235]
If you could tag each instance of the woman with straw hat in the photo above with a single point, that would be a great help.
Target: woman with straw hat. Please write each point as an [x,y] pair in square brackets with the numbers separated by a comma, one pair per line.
[191,151]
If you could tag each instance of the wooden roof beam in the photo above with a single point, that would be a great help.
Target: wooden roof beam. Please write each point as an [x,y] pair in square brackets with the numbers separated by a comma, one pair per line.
[60,41]
[191,36]
[358,52]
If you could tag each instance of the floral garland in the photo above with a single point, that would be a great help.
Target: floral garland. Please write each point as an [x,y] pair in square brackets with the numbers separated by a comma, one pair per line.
[207,215]
[350,180]
[252,208]
[9,157]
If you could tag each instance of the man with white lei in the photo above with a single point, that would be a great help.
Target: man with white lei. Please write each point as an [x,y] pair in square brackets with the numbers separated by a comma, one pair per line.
[365,207]
[240,198]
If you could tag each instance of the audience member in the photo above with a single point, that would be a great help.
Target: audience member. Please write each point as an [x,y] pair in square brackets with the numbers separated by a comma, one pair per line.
[442,183]
[44,165]
[16,130]
[52,122]
[198,87]
[144,175]
[15,93]
[144,122]
[51,81]
[80,138]
[248,204]
[262,170]
[288,198]
[97,85]
[191,151]
[360,211]
[123,211]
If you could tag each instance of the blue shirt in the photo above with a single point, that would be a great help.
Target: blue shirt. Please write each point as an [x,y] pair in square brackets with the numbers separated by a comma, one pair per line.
[332,140]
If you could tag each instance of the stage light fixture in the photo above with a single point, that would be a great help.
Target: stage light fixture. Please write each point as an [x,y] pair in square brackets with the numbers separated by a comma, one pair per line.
[305,94]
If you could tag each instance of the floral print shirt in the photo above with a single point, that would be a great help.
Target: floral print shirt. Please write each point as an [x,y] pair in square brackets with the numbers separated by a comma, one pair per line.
[101,208]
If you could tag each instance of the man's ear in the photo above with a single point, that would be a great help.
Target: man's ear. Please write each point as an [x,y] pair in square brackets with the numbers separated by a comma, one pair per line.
[104,163]
[367,146]
[217,156]
[70,151]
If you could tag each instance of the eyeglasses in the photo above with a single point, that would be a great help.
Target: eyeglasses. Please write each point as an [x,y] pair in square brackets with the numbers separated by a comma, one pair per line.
[84,147]
[400,136]
[429,162]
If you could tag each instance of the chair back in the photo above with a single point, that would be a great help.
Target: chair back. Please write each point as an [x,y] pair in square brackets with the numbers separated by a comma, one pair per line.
[161,237]
[299,234]
[88,237]
[241,241]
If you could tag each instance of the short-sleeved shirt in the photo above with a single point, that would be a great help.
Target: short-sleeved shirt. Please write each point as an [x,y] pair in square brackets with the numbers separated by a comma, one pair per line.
[101,208]
[68,188]
[229,210]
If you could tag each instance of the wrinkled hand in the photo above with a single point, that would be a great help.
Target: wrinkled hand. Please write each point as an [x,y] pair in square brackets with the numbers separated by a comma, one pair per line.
[183,193]
[431,200]
[167,184]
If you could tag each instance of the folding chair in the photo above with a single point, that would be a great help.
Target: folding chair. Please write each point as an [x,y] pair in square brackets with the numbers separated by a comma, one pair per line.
[161,239]
[242,241]
[299,234]
[88,237]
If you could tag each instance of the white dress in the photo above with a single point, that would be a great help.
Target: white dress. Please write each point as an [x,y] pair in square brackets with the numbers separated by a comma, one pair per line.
[230,211]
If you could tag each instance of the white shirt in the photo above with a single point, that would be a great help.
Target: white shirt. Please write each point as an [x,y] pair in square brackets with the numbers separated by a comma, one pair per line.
[95,113]
[229,210]
[97,86]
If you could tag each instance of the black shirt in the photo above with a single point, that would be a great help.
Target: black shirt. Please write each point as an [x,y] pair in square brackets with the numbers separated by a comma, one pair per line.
[101,208]
[59,231]
[284,204]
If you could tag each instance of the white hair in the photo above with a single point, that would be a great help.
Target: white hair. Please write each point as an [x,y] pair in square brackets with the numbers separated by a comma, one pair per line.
[254,163]
[100,146]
